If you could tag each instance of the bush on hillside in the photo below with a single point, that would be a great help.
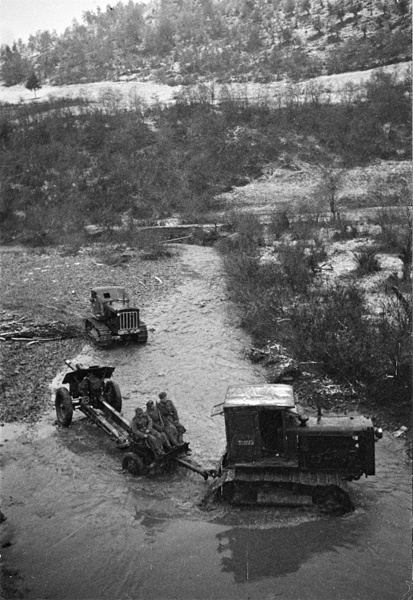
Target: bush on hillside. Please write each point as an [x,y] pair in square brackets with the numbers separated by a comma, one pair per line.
[366,259]
[331,327]
[396,236]
[279,223]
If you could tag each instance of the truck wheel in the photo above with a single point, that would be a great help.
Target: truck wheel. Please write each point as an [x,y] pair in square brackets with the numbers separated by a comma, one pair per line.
[64,407]
[133,463]
[113,395]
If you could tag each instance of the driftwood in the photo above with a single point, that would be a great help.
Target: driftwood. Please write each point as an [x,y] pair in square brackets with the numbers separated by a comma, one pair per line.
[187,237]
[38,340]
[35,332]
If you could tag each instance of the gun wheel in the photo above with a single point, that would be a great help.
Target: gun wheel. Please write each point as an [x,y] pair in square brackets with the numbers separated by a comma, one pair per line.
[133,464]
[64,407]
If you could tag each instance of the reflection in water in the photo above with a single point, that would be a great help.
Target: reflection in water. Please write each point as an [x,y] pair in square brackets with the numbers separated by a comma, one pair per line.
[153,526]
[122,537]
[260,553]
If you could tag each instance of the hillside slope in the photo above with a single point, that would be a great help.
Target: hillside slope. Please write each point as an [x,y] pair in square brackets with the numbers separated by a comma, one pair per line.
[187,41]
[331,88]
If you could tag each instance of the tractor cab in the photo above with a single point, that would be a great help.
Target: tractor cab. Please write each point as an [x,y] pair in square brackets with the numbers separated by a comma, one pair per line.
[257,419]
[103,297]
[264,429]
[113,317]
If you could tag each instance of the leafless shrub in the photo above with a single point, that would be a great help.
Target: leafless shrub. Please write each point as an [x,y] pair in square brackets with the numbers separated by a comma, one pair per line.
[279,223]
[396,235]
[367,262]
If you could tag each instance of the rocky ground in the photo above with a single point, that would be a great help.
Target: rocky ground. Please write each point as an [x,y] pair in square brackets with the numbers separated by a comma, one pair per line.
[45,298]
[49,290]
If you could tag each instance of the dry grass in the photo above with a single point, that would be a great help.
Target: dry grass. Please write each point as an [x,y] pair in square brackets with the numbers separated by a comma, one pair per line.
[149,93]
[290,189]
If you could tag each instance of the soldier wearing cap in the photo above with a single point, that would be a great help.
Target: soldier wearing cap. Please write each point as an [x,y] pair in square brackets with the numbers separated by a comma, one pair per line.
[169,433]
[170,417]
[142,428]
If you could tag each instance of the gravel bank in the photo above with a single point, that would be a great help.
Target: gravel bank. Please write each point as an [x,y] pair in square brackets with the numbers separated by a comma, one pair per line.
[45,286]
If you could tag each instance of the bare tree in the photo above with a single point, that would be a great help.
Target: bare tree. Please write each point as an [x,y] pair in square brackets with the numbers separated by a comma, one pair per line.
[328,188]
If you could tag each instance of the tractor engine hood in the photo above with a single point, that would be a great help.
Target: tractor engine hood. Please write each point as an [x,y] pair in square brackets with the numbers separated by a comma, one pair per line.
[119,305]
[336,425]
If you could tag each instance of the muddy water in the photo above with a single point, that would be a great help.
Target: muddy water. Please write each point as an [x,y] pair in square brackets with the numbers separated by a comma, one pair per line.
[81,529]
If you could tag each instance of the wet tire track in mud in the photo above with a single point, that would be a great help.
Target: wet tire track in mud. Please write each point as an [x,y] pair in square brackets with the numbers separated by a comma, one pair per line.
[81,529]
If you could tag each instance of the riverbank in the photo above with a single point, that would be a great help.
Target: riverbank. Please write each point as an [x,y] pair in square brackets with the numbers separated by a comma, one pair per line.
[68,503]
[46,286]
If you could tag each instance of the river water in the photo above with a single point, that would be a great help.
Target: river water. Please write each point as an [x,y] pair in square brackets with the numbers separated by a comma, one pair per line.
[81,529]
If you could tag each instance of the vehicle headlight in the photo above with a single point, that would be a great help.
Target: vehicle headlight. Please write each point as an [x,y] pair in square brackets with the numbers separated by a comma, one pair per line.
[378,433]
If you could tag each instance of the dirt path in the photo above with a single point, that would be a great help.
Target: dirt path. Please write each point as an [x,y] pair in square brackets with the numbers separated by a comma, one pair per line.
[80,529]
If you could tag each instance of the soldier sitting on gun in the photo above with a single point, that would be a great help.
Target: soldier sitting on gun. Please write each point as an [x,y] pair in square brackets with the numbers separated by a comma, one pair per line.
[170,417]
[165,429]
[142,429]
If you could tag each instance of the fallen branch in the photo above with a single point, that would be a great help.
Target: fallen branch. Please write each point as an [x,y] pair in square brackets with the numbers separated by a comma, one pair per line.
[10,334]
[36,341]
[52,307]
[187,237]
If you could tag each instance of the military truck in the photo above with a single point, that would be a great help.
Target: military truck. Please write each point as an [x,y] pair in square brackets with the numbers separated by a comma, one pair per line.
[276,455]
[113,318]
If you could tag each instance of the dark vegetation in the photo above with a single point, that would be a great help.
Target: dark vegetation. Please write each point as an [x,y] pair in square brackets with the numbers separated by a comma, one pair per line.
[67,165]
[326,325]
[186,41]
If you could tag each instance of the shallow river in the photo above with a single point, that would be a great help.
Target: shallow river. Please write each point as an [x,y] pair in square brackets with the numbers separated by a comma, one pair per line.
[81,529]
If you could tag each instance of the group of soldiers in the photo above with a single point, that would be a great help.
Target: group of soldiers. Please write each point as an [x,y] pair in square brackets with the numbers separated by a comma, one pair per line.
[158,427]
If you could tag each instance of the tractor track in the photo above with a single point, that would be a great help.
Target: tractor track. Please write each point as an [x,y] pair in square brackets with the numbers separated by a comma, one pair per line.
[79,528]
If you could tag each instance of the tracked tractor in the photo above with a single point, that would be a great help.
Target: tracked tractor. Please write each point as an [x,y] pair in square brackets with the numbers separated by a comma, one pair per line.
[113,318]
[275,455]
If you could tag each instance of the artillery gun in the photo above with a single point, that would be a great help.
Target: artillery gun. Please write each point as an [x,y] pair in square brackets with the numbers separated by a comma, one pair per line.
[275,455]
[102,404]
[113,318]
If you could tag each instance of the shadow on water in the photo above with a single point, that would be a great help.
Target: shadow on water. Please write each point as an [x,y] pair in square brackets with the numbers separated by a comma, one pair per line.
[250,553]
[85,529]
[84,437]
